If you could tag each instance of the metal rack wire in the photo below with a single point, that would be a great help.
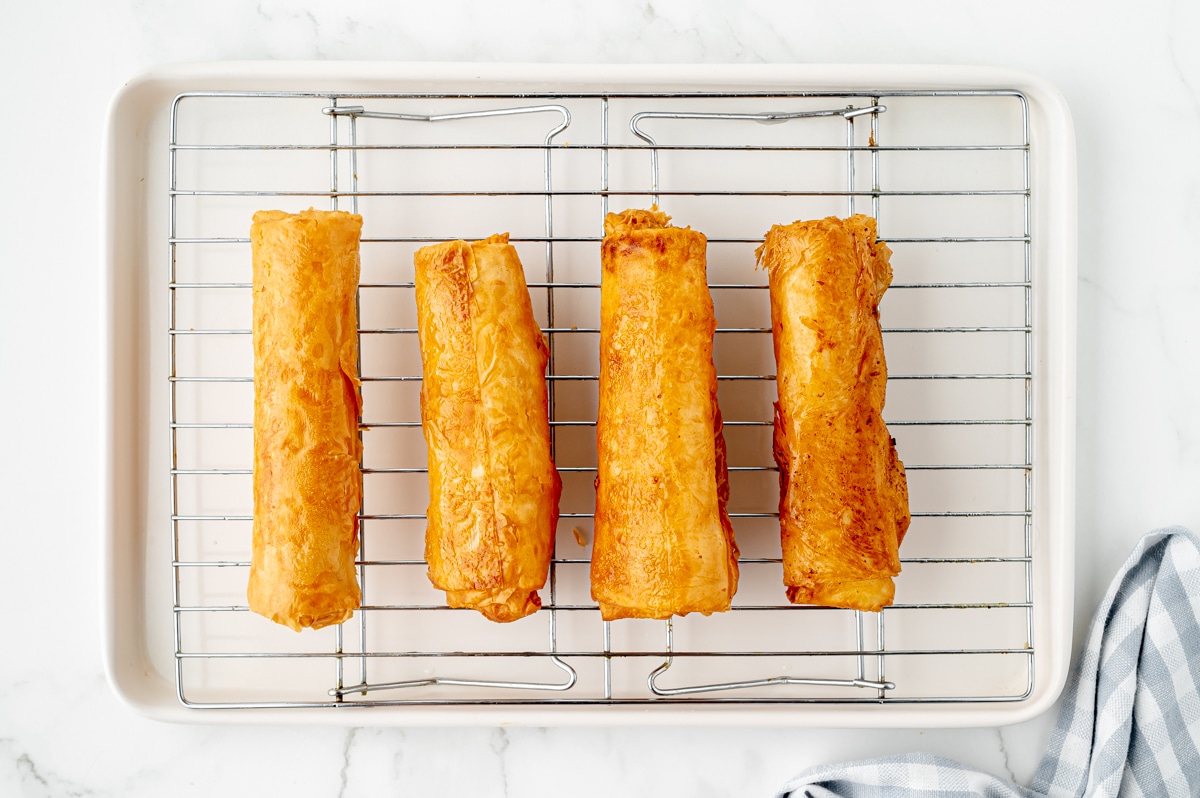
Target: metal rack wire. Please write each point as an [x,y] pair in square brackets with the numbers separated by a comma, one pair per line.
[947,174]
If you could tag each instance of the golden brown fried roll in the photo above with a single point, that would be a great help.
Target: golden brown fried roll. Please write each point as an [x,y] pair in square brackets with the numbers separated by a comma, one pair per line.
[493,487]
[663,541]
[307,479]
[843,506]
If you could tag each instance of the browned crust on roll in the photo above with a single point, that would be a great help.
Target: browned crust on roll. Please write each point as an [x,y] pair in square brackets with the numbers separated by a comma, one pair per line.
[663,544]
[493,487]
[307,479]
[843,506]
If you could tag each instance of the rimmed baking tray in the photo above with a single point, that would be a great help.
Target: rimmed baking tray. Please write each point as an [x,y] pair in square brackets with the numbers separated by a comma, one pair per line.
[971,174]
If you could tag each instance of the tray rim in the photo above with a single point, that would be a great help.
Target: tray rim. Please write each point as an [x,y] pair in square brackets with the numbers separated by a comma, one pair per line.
[127,665]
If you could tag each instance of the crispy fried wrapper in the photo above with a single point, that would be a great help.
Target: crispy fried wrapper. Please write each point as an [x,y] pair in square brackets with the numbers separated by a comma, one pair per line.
[307,404]
[663,544]
[843,507]
[493,487]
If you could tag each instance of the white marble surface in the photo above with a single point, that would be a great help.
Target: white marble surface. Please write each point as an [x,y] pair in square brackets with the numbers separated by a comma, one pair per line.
[1130,73]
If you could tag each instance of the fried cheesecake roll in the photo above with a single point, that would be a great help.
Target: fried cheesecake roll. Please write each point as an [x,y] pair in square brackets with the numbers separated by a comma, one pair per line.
[493,487]
[663,542]
[843,506]
[307,404]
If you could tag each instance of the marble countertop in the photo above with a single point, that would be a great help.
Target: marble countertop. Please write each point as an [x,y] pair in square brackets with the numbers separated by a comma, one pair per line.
[1130,75]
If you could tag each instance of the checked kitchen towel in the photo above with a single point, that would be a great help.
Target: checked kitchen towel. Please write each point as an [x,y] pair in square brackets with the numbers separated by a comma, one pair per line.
[1130,718]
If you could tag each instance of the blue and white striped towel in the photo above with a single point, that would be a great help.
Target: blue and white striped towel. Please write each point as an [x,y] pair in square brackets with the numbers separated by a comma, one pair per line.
[1130,718]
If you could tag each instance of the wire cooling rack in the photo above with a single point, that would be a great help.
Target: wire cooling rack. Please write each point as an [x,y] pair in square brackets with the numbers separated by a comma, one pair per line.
[947,175]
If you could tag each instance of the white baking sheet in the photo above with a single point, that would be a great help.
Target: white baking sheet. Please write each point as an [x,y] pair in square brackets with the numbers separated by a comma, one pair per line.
[981,574]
